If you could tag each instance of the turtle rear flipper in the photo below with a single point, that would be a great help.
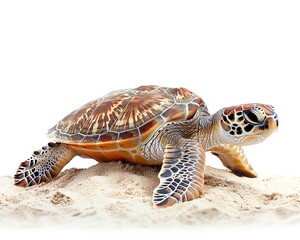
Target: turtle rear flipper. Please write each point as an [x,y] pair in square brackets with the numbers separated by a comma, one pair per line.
[44,164]
[181,175]
[234,158]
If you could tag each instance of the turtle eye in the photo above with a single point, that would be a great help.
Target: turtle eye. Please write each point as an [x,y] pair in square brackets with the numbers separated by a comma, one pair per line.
[254,116]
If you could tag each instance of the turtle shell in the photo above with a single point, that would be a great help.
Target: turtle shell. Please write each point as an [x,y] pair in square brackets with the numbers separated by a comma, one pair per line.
[124,120]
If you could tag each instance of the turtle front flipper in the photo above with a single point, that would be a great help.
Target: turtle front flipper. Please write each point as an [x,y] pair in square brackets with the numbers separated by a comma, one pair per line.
[44,164]
[234,158]
[181,176]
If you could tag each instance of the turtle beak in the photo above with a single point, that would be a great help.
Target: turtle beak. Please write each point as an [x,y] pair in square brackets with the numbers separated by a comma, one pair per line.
[271,123]
[277,122]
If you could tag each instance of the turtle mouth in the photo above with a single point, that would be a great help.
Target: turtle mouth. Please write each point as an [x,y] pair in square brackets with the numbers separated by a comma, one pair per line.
[271,125]
[276,119]
[251,139]
[264,125]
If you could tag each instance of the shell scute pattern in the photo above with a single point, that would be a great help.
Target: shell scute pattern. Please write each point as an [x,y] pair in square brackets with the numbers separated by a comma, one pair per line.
[124,120]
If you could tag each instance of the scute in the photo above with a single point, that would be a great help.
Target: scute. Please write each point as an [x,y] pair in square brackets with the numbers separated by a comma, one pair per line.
[140,109]
[125,115]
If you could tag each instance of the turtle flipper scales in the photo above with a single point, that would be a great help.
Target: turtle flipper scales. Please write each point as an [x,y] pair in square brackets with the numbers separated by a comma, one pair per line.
[44,164]
[182,174]
[234,158]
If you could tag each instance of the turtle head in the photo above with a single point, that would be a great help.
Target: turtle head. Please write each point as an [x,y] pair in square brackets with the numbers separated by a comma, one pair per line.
[248,124]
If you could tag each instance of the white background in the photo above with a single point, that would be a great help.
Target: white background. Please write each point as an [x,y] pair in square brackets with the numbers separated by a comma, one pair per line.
[57,55]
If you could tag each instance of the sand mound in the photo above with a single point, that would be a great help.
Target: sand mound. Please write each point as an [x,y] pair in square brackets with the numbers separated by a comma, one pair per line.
[119,194]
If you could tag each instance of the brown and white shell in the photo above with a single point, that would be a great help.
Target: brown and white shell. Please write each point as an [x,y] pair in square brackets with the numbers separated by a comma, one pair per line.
[123,120]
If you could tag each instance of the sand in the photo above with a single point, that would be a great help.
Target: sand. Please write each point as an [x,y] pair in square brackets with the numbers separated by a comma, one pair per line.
[118,195]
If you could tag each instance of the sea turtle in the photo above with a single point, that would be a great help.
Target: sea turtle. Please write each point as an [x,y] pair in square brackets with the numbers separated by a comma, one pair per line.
[154,125]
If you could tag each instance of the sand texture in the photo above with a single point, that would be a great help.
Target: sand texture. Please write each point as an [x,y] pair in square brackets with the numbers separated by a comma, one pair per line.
[119,194]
